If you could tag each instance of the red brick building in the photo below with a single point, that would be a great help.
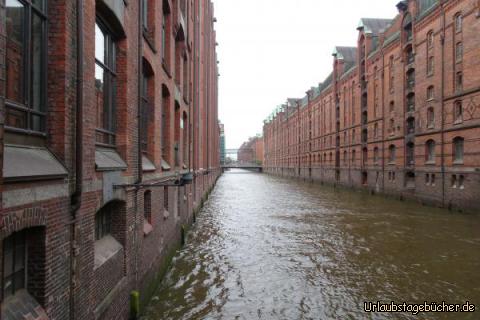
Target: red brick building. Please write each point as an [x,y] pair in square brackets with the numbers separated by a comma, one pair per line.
[251,151]
[399,114]
[104,112]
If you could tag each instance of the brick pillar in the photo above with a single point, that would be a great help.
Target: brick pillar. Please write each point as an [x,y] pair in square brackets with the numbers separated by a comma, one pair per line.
[2,94]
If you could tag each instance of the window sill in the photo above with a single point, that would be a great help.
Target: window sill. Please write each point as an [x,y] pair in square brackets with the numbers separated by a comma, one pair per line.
[31,163]
[458,162]
[105,249]
[430,163]
[456,122]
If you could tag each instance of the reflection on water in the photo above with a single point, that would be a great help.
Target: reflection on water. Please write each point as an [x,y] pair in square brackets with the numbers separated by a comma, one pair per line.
[270,248]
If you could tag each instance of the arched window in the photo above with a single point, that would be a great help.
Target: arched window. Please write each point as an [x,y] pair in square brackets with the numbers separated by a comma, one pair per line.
[458,150]
[365,156]
[23,264]
[392,127]
[458,22]
[392,153]
[147,97]
[430,39]
[392,106]
[166,112]
[375,155]
[430,151]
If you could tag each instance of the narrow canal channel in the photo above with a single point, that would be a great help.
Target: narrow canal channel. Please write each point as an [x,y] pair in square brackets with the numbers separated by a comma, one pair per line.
[265,247]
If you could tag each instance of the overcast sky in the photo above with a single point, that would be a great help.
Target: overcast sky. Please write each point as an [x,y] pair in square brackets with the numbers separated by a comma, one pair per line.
[270,50]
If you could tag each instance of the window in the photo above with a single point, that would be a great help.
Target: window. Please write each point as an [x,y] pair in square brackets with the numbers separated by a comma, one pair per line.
[430,151]
[430,93]
[391,71]
[147,206]
[430,39]
[430,66]
[145,14]
[105,85]
[146,100]
[392,106]
[375,155]
[411,125]
[410,154]
[354,156]
[391,154]
[461,181]
[458,22]
[14,262]
[454,181]
[459,81]
[166,124]
[392,127]
[25,62]
[430,117]
[165,50]
[103,222]
[432,179]
[407,28]
[459,52]
[165,198]
[458,144]
[458,111]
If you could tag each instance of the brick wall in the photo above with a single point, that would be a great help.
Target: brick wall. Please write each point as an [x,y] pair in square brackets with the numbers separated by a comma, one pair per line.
[343,128]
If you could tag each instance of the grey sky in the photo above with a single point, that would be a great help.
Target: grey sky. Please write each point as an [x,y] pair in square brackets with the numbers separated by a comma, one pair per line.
[273,49]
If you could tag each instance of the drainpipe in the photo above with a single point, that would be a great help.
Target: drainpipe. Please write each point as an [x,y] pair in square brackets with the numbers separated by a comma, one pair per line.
[139,131]
[442,98]
[76,198]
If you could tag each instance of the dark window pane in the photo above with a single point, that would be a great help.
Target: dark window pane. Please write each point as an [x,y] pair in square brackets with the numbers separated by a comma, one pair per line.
[16,118]
[40,4]
[37,65]
[15,22]
[8,261]
[19,280]
[19,258]
[37,122]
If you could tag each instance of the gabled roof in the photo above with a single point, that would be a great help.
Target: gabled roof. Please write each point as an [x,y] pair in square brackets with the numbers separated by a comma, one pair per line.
[373,26]
[345,53]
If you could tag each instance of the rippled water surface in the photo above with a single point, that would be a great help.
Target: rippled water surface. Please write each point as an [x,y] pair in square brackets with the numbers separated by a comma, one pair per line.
[265,247]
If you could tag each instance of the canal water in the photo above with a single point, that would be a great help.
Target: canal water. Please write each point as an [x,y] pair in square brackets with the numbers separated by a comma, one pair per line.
[266,247]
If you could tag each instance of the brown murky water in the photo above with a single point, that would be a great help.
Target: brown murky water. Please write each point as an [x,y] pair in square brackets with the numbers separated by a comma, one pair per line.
[270,248]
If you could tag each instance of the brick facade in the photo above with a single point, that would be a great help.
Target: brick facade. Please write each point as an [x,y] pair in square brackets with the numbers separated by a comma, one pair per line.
[71,273]
[251,151]
[393,117]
